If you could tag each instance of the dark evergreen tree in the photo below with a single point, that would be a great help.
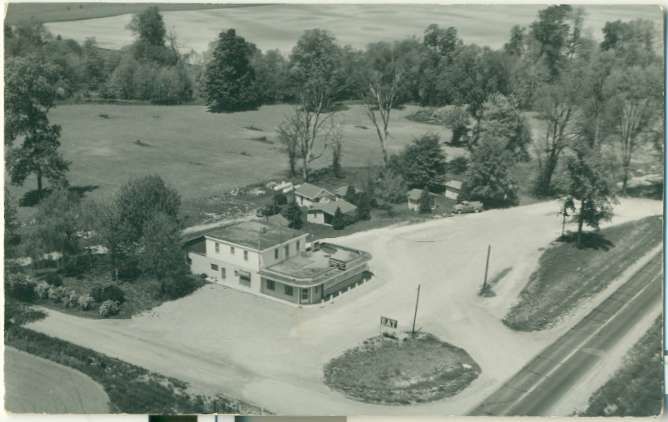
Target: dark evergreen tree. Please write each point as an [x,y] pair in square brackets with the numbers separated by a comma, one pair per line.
[363,206]
[294,215]
[422,163]
[230,77]
[426,202]
[339,220]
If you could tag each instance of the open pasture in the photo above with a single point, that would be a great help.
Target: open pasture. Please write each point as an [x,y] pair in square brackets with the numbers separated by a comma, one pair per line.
[278,26]
[201,153]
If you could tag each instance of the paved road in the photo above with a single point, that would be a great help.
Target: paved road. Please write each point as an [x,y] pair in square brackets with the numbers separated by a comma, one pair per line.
[537,386]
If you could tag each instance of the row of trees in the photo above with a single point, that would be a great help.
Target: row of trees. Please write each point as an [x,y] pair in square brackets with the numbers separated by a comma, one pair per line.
[149,69]
[139,227]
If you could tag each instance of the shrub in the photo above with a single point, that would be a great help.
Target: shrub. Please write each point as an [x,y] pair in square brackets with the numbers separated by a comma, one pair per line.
[458,165]
[280,199]
[109,292]
[74,266]
[42,290]
[56,293]
[86,302]
[109,308]
[177,286]
[53,279]
[20,287]
[71,299]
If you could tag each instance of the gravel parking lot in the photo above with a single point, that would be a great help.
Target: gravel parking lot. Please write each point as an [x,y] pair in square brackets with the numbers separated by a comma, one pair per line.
[272,355]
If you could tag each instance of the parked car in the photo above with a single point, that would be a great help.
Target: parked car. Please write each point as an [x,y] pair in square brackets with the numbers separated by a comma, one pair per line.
[465,207]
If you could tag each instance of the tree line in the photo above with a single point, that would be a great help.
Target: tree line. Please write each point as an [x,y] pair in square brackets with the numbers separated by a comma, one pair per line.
[597,103]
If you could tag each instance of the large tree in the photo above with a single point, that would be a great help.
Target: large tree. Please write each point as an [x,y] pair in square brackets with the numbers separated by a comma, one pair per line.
[230,77]
[315,71]
[38,154]
[557,34]
[590,193]
[502,118]
[634,42]
[633,110]
[29,94]
[57,222]
[558,105]
[422,163]
[307,135]
[149,26]
[12,236]
[140,199]
[161,254]
[489,178]
[383,75]
[316,77]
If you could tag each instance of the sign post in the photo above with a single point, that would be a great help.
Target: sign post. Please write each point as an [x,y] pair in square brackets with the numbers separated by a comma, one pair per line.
[417,301]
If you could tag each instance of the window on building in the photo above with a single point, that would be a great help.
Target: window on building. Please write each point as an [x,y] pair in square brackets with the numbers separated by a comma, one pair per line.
[298,246]
[214,267]
[245,255]
[223,272]
[232,250]
[244,278]
[288,290]
[271,285]
[217,247]
[287,251]
[276,253]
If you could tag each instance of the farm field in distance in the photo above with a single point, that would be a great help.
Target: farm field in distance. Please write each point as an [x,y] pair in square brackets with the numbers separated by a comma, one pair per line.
[202,153]
[56,12]
[355,25]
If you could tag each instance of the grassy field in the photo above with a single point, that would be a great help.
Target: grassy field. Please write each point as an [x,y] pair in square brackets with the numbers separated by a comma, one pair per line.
[567,275]
[202,154]
[401,371]
[278,26]
[57,12]
[36,385]
[637,388]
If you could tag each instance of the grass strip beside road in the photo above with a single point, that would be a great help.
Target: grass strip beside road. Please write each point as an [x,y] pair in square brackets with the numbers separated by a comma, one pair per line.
[636,389]
[568,275]
[131,389]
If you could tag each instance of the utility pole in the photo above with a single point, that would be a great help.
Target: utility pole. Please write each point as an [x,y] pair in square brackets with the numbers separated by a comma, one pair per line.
[417,301]
[484,281]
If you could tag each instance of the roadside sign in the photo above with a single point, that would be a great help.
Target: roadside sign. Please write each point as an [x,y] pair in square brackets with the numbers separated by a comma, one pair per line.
[388,325]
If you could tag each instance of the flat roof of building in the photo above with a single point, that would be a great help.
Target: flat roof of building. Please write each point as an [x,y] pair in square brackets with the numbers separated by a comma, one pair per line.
[254,234]
[311,267]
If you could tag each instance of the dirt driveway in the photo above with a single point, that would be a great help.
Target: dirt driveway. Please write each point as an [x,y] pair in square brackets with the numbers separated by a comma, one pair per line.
[272,354]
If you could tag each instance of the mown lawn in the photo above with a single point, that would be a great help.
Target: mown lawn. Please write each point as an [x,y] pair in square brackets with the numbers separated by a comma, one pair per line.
[567,275]
[636,389]
[401,371]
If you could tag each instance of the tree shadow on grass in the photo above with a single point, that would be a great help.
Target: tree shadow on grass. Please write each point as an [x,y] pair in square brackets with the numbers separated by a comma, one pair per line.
[33,197]
[82,190]
[590,240]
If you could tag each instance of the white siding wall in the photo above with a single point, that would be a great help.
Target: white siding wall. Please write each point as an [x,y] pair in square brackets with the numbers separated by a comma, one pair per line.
[237,258]
[451,193]
[315,217]
[269,256]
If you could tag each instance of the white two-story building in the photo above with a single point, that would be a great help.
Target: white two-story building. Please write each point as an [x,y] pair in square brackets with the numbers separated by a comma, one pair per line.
[268,259]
